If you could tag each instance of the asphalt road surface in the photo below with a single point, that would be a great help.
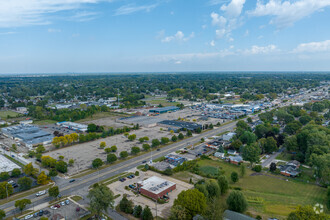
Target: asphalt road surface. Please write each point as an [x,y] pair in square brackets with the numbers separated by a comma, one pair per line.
[81,185]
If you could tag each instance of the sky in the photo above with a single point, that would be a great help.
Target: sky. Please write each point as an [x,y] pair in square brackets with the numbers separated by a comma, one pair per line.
[73,36]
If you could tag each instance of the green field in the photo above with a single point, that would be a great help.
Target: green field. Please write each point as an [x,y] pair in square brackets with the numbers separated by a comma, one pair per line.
[161,101]
[4,114]
[44,122]
[100,115]
[276,197]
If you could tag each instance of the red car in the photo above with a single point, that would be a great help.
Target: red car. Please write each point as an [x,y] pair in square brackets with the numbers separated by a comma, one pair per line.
[57,205]
[77,209]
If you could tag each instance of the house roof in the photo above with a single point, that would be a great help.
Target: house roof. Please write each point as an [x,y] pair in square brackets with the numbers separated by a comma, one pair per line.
[231,215]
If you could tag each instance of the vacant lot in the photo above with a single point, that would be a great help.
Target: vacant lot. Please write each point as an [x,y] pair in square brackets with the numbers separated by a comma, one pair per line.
[107,119]
[275,196]
[4,114]
[85,153]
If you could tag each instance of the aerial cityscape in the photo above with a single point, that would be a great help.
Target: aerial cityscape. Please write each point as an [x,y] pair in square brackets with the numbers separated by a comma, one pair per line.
[165,109]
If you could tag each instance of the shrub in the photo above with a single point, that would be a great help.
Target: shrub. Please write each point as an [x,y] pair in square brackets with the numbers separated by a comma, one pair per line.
[257,168]
[234,177]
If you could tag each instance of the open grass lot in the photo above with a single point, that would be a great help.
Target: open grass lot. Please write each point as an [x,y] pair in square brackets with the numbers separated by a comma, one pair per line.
[270,196]
[161,101]
[4,114]
[44,122]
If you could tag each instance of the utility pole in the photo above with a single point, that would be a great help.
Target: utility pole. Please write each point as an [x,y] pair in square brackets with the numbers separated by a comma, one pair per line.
[156,209]
[118,98]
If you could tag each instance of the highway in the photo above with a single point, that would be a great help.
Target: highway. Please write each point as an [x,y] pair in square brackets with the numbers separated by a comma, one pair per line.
[81,185]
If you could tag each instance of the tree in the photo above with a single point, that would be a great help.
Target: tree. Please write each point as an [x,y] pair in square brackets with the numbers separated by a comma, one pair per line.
[4,189]
[180,136]
[178,212]
[193,201]
[16,172]
[223,184]
[114,148]
[164,140]
[292,127]
[146,214]
[242,124]
[126,205]
[248,137]
[272,167]
[260,130]
[2,214]
[61,166]
[132,137]
[236,201]
[249,120]
[242,170]
[174,138]
[61,157]
[53,191]
[97,163]
[101,198]
[305,119]
[212,188]
[91,128]
[4,176]
[137,211]
[21,204]
[291,144]
[43,179]
[236,144]
[189,133]
[251,153]
[268,144]
[24,183]
[52,173]
[40,149]
[135,150]
[318,107]
[306,213]
[123,154]
[155,143]
[43,218]
[103,145]
[30,170]
[71,162]
[111,158]
[146,147]
[234,176]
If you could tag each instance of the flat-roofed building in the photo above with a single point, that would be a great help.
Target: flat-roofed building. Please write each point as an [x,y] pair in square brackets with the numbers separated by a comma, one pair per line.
[7,165]
[156,187]
[179,125]
[164,109]
[73,126]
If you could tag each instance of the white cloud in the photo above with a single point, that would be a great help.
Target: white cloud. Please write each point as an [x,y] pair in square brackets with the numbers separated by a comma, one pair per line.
[178,62]
[131,8]
[229,20]
[179,36]
[246,33]
[286,13]
[312,47]
[212,43]
[15,13]
[260,50]
[52,30]
[8,33]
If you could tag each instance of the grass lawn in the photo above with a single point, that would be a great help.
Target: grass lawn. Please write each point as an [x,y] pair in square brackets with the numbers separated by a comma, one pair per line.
[276,197]
[284,156]
[163,102]
[4,114]
[76,198]
[44,122]
[100,115]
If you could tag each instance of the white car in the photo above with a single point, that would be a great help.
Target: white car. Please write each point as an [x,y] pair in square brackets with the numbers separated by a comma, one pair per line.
[53,207]
[62,203]
[28,216]
[40,193]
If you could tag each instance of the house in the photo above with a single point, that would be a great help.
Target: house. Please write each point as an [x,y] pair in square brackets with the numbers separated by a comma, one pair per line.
[231,215]
[288,170]
[294,163]
[232,152]
[235,159]
[219,155]
[227,137]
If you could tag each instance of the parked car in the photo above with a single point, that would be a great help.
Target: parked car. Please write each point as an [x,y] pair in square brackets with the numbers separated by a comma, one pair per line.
[53,207]
[28,217]
[158,149]
[41,212]
[62,203]
[36,214]
[144,161]
[71,181]
[78,209]
[40,193]
[67,202]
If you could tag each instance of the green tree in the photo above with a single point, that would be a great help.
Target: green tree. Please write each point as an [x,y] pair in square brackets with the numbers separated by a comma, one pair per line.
[91,128]
[306,213]
[212,188]
[21,204]
[305,119]
[53,191]
[292,127]
[189,133]
[97,163]
[132,137]
[146,147]
[251,153]
[2,214]
[61,166]
[114,148]
[236,144]
[24,183]
[43,179]
[52,173]
[249,120]
[103,145]
[237,202]
[242,170]
[155,143]
[4,176]
[146,214]
[223,184]
[16,172]
[123,154]
[126,205]
[174,138]
[30,170]
[193,201]
[4,189]
[137,211]
[111,158]
[291,144]
[242,124]
[178,212]
[181,136]
[101,198]
[71,162]
[135,150]
[248,137]
[234,177]
[164,140]
[40,149]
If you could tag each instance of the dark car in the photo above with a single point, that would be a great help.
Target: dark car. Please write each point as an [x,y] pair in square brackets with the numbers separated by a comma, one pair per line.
[158,149]
[129,177]
[144,161]
[71,181]
[77,209]
[41,212]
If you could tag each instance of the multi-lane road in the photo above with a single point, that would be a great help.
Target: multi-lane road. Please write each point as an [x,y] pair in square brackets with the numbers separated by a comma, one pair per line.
[81,185]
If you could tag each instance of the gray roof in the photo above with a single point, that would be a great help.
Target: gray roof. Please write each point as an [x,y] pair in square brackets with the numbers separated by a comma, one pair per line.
[231,215]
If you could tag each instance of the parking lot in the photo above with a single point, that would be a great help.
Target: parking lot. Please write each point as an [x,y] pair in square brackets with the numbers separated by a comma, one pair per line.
[69,210]
[163,210]
[85,153]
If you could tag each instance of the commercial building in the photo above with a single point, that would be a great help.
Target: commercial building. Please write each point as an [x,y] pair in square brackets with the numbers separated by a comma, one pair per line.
[7,165]
[174,160]
[156,187]
[73,126]
[179,125]
[29,135]
[164,109]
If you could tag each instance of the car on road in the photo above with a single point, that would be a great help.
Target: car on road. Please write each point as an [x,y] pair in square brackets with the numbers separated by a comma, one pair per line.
[71,181]
[41,193]
[158,149]
[144,161]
